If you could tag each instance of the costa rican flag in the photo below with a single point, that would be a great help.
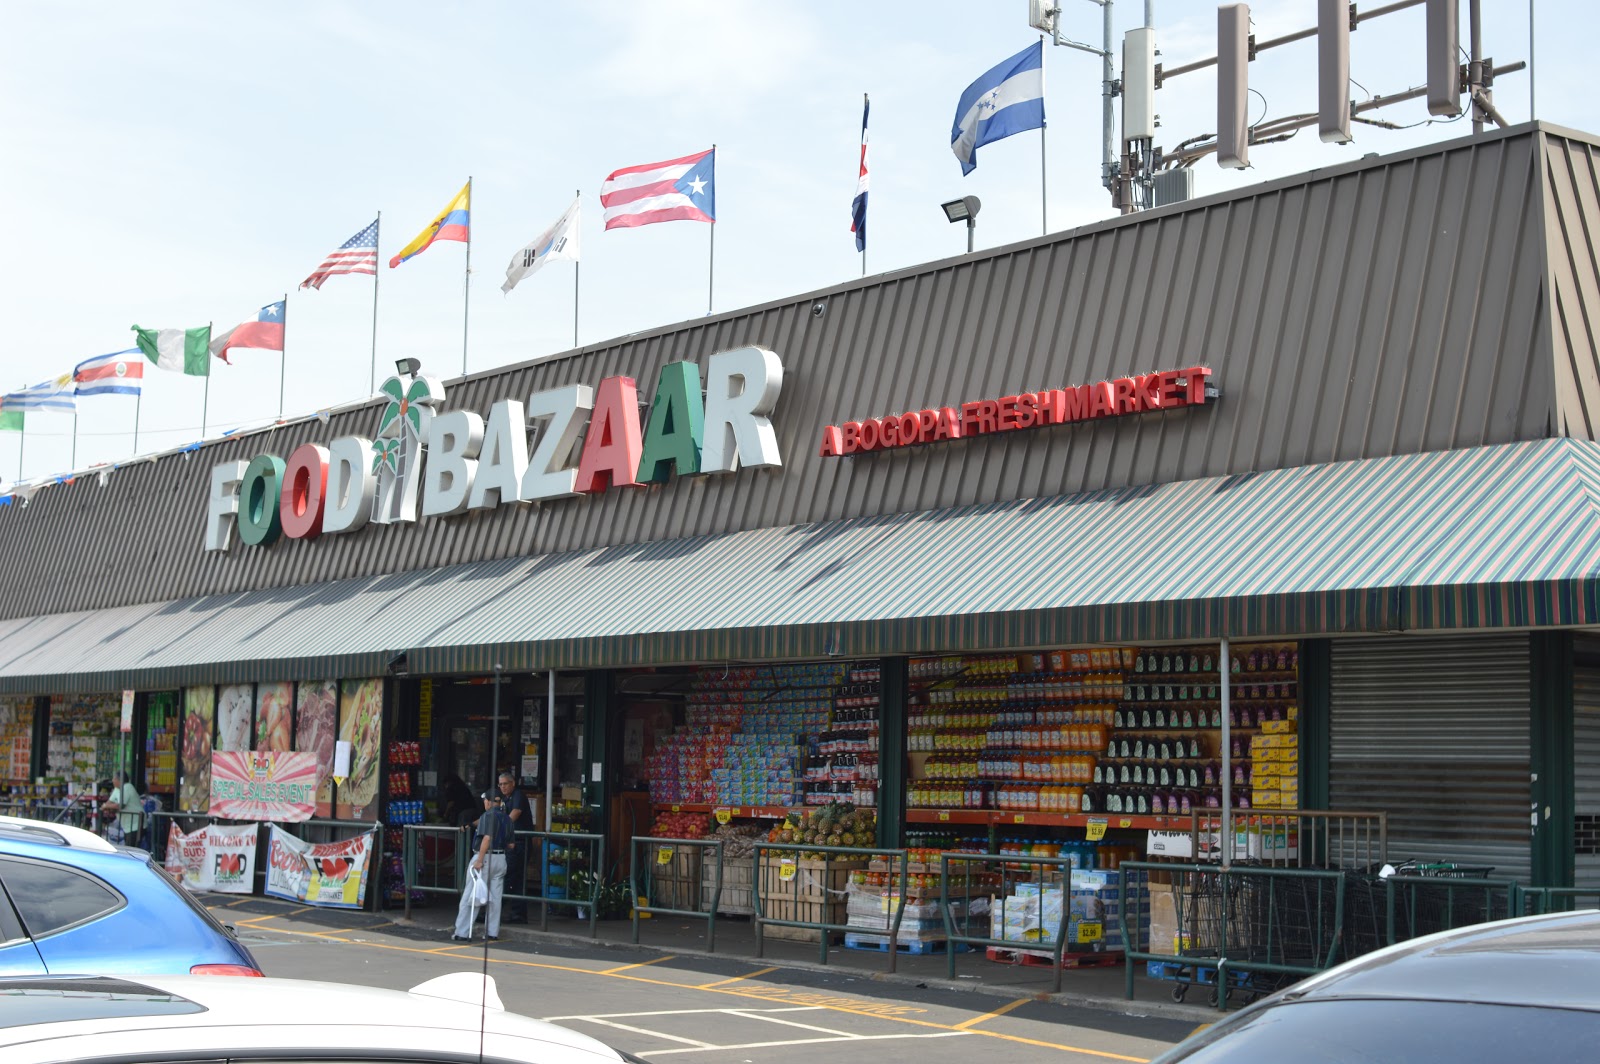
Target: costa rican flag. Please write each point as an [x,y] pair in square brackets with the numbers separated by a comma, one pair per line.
[678,190]
[118,373]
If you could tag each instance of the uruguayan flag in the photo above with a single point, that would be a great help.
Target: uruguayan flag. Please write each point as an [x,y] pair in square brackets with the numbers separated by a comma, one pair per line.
[51,395]
[1008,99]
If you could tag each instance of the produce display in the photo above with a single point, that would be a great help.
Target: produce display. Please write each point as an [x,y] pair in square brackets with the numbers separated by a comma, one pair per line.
[836,824]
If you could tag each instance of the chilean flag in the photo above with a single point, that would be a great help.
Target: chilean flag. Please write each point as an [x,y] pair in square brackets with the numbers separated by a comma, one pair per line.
[677,190]
[858,208]
[263,334]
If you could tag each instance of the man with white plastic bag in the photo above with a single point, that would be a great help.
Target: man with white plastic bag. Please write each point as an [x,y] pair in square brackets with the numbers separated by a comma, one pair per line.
[486,875]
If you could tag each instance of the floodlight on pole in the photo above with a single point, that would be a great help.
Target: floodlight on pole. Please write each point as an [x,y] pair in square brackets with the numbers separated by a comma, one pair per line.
[966,210]
[407,367]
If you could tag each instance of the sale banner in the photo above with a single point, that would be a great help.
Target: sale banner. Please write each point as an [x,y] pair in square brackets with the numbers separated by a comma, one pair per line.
[329,874]
[264,785]
[214,858]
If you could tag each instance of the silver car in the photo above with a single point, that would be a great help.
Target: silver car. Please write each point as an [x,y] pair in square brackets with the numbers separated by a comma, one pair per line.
[454,1019]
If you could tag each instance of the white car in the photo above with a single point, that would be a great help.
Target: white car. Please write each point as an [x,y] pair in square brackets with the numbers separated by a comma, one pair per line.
[454,1019]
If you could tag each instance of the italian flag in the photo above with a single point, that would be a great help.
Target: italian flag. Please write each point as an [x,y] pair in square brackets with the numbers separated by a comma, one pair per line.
[180,350]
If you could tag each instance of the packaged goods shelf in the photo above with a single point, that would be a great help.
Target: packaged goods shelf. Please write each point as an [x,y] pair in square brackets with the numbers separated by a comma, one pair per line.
[1070,820]
[775,812]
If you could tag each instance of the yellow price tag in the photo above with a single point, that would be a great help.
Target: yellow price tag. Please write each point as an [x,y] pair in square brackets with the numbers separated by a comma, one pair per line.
[1019,818]
[1124,823]
[663,855]
[786,868]
[677,809]
[724,815]
[1090,932]
[1096,828]
[944,814]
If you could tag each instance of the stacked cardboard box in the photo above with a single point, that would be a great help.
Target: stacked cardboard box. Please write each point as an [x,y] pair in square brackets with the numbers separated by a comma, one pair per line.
[1275,764]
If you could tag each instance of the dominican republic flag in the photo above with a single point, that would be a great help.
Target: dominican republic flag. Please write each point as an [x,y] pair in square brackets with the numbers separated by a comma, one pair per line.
[118,373]
[1008,99]
[51,395]
[263,334]
[858,208]
[678,190]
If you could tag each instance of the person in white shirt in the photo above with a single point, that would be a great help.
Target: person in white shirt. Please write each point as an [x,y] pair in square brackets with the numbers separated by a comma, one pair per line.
[124,815]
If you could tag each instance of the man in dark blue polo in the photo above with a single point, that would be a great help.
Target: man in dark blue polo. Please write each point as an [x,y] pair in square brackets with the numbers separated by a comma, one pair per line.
[515,803]
[489,860]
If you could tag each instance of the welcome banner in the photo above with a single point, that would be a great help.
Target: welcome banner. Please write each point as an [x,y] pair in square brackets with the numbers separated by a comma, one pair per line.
[264,785]
[329,874]
[214,858]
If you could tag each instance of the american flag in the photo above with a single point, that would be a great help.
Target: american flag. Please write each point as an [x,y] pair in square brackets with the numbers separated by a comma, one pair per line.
[359,254]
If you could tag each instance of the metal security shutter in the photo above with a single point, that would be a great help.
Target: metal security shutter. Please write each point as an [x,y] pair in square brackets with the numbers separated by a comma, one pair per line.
[1586,761]
[1434,731]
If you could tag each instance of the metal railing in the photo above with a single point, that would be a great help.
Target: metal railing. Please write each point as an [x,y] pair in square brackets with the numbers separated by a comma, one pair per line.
[1536,901]
[978,875]
[551,846]
[685,877]
[1296,838]
[426,857]
[788,893]
[1247,919]
[1417,905]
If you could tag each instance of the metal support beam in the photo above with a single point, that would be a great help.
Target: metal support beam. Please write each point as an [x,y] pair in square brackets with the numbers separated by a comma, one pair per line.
[893,689]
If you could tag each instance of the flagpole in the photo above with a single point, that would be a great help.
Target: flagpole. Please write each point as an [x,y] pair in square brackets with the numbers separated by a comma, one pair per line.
[74,434]
[138,407]
[205,403]
[377,233]
[1044,213]
[466,281]
[22,443]
[711,265]
[283,356]
[577,267]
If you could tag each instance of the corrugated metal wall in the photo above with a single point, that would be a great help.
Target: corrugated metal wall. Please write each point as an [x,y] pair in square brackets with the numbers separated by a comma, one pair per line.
[1384,306]
[1586,761]
[1435,731]
[1572,226]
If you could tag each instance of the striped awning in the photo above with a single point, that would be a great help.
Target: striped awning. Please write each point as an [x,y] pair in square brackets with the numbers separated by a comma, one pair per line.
[1493,537]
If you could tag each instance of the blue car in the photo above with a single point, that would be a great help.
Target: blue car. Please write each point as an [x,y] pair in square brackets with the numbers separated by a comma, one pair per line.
[72,903]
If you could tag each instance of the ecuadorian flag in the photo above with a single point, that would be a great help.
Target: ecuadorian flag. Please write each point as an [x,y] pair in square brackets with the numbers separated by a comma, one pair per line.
[453,223]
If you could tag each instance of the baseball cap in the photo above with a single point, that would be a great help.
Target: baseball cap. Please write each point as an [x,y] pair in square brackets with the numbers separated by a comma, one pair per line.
[490,796]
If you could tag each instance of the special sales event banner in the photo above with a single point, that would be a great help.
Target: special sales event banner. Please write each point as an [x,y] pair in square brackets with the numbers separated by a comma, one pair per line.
[263,785]
[329,874]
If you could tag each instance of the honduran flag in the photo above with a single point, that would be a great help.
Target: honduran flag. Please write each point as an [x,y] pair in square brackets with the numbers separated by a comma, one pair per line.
[677,190]
[263,334]
[452,223]
[118,373]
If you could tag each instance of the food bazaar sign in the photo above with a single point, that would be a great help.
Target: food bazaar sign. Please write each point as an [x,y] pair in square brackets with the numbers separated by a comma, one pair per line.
[1163,390]
[561,443]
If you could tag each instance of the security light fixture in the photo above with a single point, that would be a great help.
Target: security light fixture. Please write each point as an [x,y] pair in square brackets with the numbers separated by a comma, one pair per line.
[407,367]
[964,209]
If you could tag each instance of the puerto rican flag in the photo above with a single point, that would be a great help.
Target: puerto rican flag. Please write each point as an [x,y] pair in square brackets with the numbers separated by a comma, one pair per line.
[118,373]
[678,190]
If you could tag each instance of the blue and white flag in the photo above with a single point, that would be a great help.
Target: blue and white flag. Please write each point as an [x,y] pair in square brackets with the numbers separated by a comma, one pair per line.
[54,394]
[858,207]
[1008,99]
[560,241]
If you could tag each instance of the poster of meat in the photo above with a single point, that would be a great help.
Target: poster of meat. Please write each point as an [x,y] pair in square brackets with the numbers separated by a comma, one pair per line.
[361,725]
[274,715]
[318,730]
[199,718]
[235,707]
[330,874]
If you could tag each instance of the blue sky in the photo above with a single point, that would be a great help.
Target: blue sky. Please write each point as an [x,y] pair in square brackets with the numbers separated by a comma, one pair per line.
[176,163]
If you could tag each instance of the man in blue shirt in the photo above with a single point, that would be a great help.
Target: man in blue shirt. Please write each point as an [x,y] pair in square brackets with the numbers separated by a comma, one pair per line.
[489,860]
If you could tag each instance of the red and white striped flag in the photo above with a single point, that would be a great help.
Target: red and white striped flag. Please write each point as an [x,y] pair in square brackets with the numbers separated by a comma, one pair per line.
[359,254]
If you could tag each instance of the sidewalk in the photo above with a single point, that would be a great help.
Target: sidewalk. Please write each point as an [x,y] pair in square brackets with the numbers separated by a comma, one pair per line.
[1102,987]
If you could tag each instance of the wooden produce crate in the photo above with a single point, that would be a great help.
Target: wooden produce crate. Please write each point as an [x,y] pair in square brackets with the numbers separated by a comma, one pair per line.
[674,877]
[832,912]
[794,889]
[738,888]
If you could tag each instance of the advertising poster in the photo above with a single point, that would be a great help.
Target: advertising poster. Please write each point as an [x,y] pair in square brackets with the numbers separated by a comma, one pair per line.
[214,858]
[263,785]
[199,718]
[318,729]
[361,725]
[274,716]
[329,874]
[235,708]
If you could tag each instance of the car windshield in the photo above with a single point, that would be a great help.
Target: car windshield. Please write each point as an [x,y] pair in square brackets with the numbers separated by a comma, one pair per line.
[1359,1031]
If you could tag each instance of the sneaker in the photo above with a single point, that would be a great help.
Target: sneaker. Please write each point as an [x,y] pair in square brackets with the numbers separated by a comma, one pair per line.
[458,938]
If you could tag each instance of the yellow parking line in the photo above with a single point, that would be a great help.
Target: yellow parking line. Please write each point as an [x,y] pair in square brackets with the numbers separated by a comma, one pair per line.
[1001,1011]
[641,964]
[737,978]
